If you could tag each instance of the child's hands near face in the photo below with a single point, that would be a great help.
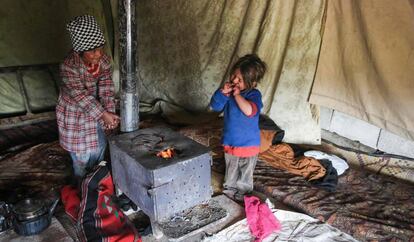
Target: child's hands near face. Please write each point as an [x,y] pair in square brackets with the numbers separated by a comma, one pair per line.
[236,90]
[227,88]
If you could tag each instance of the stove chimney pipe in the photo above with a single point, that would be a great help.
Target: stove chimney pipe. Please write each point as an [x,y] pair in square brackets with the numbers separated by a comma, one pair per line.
[127,65]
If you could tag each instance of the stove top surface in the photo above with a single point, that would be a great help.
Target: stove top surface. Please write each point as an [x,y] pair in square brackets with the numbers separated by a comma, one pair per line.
[144,144]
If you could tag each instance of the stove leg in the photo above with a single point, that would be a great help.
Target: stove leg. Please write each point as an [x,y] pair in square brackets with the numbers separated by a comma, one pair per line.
[156,230]
[118,192]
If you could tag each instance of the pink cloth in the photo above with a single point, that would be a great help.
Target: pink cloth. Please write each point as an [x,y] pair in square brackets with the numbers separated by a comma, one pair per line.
[245,151]
[260,218]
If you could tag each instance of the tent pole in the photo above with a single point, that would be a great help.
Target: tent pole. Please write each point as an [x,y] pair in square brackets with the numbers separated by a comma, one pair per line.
[127,65]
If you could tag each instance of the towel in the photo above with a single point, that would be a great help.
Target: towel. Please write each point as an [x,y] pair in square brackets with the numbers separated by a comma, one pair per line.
[260,218]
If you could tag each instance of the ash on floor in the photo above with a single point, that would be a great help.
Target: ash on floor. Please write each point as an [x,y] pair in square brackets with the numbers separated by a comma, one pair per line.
[193,219]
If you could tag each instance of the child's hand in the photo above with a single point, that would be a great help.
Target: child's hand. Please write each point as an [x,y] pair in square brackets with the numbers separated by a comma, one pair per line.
[227,88]
[111,120]
[236,90]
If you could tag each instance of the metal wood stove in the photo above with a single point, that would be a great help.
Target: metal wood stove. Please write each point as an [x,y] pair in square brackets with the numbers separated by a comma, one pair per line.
[161,187]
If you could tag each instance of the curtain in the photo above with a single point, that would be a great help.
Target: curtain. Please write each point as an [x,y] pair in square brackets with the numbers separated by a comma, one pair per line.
[185,50]
[366,63]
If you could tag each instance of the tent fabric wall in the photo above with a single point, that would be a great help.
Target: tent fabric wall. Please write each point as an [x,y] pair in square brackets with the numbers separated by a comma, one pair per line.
[11,100]
[43,89]
[293,62]
[366,63]
[185,49]
[34,33]
[35,84]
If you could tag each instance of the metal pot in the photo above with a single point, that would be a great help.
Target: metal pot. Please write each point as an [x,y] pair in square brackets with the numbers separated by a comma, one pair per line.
[31,216]
[5,222]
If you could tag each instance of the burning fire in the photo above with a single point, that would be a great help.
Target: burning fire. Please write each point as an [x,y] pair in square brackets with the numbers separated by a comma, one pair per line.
[166,154]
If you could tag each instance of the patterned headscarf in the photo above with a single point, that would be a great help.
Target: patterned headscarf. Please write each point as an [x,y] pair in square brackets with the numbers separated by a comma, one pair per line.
[85,33]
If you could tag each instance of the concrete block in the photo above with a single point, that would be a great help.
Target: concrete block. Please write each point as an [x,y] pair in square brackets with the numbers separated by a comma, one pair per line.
[325,117]
[345,142]
[394,144]
[354,129]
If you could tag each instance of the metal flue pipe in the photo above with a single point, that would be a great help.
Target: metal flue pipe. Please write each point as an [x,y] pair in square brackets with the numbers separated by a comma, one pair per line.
[127,65]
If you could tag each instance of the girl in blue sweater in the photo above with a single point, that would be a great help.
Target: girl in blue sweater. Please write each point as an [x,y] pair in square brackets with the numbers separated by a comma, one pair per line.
[241,103]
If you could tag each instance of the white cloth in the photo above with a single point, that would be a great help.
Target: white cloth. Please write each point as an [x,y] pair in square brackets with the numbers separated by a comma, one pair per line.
[295,227]
[339,164]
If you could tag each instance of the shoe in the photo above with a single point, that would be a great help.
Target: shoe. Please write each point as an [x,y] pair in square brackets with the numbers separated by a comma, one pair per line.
[123,202]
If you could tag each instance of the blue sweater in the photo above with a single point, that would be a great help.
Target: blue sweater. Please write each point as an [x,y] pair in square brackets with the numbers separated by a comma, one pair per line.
[239,129]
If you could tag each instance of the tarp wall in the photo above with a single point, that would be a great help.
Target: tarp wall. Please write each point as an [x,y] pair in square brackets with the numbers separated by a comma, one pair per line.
[366,65]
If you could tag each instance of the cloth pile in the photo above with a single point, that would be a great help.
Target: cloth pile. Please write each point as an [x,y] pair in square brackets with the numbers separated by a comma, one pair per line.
[294,227]
[320,169]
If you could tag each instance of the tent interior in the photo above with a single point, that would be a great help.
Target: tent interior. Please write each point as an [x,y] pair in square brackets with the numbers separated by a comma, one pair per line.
[338,80]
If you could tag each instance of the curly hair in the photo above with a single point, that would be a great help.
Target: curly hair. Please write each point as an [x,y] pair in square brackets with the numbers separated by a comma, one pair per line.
[252,69]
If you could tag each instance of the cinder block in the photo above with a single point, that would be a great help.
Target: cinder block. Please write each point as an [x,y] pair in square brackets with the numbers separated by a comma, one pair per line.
[354,129]
[394,144]
[325,117]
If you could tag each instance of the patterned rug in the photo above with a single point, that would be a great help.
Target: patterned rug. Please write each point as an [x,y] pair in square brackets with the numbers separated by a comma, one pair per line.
[389,165]
[38,171]
[366,204]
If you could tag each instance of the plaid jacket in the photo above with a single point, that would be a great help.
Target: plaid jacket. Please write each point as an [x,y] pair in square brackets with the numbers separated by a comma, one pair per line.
[82,100]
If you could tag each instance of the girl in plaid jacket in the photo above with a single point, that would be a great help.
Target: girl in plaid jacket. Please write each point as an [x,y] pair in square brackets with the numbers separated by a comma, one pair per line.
[86,101]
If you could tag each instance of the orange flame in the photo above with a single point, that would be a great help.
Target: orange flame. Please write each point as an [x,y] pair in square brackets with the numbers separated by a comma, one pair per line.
[166,154]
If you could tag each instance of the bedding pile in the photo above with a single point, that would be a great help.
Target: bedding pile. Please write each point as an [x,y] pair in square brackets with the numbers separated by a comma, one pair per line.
[295,227]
